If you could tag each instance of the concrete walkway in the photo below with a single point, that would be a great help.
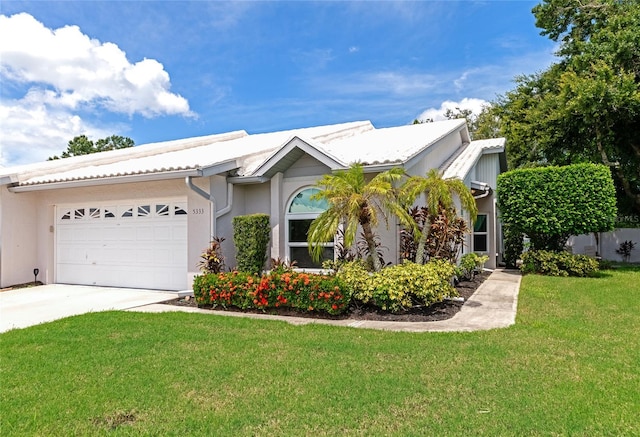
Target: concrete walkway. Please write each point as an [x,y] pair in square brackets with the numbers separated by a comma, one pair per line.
[492,306]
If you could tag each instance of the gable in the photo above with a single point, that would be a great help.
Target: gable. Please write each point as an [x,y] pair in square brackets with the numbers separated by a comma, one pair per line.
[290,153]
[306,165]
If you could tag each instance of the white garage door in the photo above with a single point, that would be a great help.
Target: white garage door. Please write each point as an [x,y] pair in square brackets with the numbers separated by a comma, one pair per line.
[130,244]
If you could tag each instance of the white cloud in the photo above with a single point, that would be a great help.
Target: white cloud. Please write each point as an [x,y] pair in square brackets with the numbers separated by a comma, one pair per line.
[32,132]
[60,73]
[436,114]
[394,84]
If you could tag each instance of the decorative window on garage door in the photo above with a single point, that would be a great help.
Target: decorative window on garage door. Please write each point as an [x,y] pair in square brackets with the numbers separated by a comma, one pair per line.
[125,211]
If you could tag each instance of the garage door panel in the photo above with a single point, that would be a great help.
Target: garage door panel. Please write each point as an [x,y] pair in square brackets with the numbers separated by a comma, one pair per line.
[112,232]
[127,245]
[144,233]
[162,233]
[180,232]
[70,254]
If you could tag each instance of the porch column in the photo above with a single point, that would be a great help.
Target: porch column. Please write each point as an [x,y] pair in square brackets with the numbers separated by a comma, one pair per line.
[276,214]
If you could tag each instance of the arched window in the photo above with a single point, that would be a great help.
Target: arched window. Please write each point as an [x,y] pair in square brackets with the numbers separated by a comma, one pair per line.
[301,211]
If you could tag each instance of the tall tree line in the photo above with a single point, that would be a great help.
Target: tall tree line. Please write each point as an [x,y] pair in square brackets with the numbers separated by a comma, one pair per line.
[586,106]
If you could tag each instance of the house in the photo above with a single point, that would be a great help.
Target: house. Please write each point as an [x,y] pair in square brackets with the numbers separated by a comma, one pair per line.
[141,217]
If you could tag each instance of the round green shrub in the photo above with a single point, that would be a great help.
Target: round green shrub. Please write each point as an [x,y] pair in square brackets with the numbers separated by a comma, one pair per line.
[550,263]
[401,286]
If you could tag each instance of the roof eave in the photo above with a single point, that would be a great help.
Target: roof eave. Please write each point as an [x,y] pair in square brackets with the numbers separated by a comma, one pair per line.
[219,168]
[8,180]
[246,180]
[78,183]
[379,168]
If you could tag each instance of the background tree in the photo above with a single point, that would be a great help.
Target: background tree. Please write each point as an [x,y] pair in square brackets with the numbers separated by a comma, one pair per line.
[355,202]
[586,107]
[113,142]
[81,145]
[486,124]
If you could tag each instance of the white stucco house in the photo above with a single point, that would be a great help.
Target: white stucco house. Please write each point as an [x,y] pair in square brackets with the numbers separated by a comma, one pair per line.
[141,217]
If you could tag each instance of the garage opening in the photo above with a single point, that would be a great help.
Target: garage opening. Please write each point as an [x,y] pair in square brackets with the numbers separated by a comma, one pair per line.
[138,244]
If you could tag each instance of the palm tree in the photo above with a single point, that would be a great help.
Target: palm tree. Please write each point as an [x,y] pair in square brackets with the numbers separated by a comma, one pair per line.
[353,202]
[440,197]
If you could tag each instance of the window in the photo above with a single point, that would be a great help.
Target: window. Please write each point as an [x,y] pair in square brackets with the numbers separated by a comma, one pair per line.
[480,237]
[144,210]
[301,211]
[162,210]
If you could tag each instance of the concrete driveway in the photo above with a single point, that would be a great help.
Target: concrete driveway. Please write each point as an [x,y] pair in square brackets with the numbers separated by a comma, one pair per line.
[25,307]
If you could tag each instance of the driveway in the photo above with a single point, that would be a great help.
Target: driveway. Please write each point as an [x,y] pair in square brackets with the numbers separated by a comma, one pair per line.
[25,307]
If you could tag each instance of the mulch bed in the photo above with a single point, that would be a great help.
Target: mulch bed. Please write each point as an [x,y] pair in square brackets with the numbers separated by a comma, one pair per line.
[440,311]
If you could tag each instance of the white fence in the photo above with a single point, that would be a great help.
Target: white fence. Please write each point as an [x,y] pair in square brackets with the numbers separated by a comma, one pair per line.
[609,243]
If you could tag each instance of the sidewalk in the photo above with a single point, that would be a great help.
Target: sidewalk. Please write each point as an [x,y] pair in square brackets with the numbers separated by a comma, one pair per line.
[492,306]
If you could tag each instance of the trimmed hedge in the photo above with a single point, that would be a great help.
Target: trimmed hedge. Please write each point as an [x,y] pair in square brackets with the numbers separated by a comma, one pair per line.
[549,204]
[513,246]
[251,236]
[279,289]
[549,263]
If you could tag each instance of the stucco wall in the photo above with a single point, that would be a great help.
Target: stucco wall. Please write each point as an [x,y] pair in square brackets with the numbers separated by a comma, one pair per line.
[436,154]
[19,244]
[609,243]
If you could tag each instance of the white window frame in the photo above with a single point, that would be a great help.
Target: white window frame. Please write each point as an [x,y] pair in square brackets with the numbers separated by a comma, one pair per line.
[482,233]
[300,216]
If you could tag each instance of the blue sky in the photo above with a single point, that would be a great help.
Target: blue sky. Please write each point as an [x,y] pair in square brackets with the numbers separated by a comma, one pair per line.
[161,70]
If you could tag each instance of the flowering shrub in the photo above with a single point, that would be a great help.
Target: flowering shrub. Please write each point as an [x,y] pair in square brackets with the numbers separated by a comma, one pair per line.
[402,286]
[280,288]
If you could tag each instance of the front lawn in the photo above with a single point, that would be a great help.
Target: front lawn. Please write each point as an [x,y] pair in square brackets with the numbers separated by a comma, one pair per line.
[570,366]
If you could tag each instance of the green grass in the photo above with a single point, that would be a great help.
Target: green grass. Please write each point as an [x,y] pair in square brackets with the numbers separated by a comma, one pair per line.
[570,366]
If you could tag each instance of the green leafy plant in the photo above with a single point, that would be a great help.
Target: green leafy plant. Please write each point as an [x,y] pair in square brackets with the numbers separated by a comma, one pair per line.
[356,203]
[513,246]
[443,234]
[212,259]
[282,265]
[251,236]
[625,249]
[558,263]
[440,196]
[401,286]
[472,264]
[408,238]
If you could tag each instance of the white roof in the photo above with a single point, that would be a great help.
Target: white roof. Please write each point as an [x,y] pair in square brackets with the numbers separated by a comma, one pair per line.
[391,145]
[464,162]
[342,144]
